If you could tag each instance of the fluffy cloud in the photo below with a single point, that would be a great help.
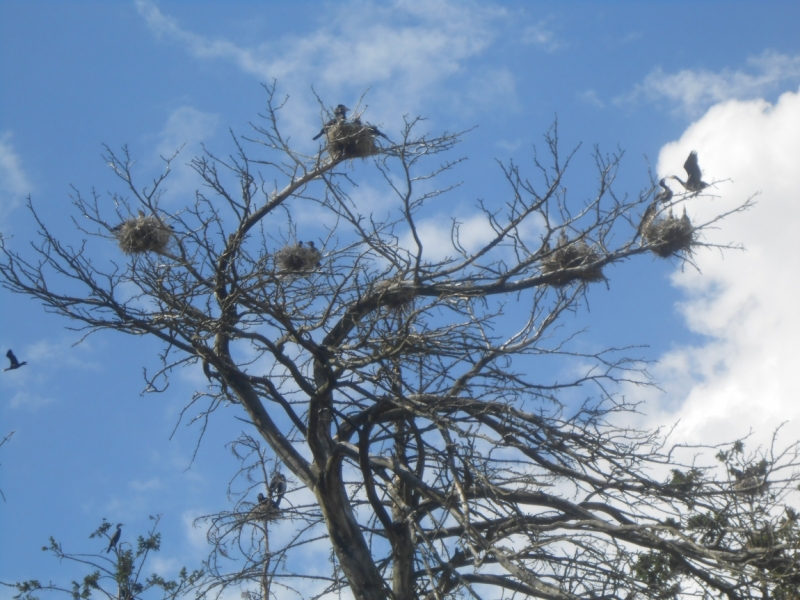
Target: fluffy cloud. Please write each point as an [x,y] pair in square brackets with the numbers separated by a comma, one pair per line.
[692,91]
[14,184]
[405,51]
[744,303]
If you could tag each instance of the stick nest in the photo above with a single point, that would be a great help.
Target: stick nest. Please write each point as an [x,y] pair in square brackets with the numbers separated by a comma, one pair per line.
[264,511]
[570,255]
[142,234]
[351,139]
[297,258]
[395,295]
[669,236]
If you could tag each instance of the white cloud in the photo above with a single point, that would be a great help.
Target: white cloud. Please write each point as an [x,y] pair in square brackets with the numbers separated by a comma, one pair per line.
[186,128]
[14,183]
[744,375]
[692,91]
[541,35]
[406,51]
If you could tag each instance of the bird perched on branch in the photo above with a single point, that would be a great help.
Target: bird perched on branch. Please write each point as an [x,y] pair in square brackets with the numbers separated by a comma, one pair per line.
[115,538]
[694,182]
[15,364]
[664,195]
[339,116]
[277,488]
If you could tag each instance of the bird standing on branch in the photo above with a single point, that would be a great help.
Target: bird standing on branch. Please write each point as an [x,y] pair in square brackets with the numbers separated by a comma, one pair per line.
[665,195]
[339,116]
[694,182]
[114,538]
[277,488]
[15,364]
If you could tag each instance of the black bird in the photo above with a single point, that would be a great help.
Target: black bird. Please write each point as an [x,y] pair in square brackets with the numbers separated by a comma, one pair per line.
[375,131]
[115,538]
[665,195]
[313,246]
[15,364]
[339,116]
[694,181]
[277,488]
[261,498]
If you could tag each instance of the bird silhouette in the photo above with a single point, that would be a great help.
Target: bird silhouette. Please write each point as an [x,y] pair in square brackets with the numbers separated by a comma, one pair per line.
[313,246]
[261,498]
[339,116]
[15,364]
[114,538]
[664,195]
[277,488]
[694,181]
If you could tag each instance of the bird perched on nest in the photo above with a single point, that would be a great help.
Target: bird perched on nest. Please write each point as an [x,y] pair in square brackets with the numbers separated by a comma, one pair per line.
[277,488]
[115,538]
[15,364]
[664,195]
[694,182]
[339,116]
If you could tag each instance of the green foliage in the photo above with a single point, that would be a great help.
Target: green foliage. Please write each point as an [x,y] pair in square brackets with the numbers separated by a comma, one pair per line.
[115,578]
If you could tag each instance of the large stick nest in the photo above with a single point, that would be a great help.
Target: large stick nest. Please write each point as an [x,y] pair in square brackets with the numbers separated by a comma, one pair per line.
[570,255]
[297,258]
[396,294]
[351,139]
[142,234]
[670,235]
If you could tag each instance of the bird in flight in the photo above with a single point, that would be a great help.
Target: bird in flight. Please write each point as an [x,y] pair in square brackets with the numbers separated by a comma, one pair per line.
[114,538]
[694,182]
[339,116]
[15,364]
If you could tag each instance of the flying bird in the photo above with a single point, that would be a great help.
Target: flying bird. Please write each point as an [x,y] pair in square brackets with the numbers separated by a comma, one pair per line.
[694,182]
[339,116]
[114,538]
[664,195]
[277,488]
[15,364]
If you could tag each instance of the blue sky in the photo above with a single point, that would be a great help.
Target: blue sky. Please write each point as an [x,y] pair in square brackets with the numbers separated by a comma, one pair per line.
[656,79]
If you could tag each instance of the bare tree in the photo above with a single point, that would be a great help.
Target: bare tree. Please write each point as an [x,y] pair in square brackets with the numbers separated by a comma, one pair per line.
[413,401]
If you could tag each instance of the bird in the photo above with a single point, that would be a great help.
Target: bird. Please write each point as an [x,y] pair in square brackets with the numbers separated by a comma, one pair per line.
[15,364]
[313,246]
[339,116]
[277,488]
[664,195]
[375,131]
[262,499]
[694,181]
[114,538]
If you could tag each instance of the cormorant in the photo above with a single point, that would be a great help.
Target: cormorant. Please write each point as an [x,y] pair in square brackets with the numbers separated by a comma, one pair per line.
[115,538]
[694,181]
[261,498]
[313,246]
[664,195]
[15,364]
[339,115]
[277,488]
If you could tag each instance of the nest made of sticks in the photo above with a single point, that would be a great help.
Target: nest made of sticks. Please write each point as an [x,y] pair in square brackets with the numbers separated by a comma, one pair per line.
[351,139]
[396,294]
[142,234]
[669,235]
[570,255]
[297,258]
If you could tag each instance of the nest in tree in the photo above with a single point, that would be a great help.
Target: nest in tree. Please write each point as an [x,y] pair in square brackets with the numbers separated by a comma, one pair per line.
[142,234]
[669,235]
[297,258]
[351,139]
[263,511]
[569,256]
[395,295]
